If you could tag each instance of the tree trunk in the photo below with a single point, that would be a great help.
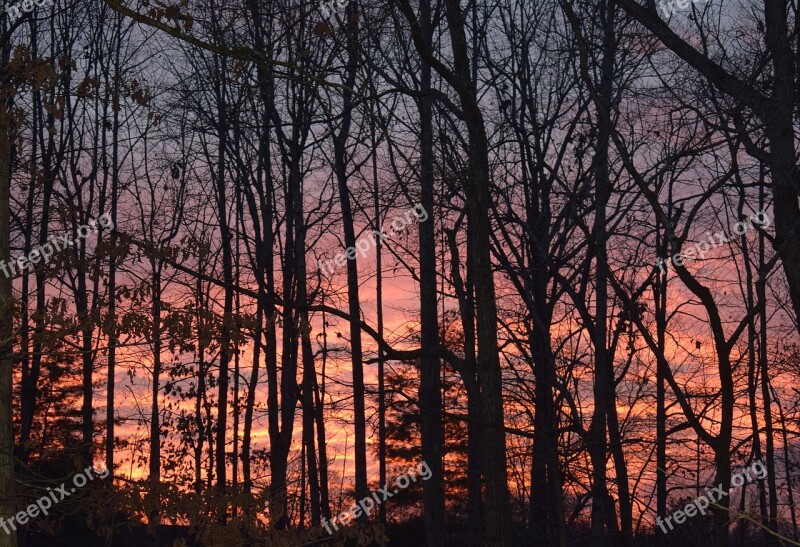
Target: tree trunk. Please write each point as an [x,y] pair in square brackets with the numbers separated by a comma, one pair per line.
[353,301]
[201,388]
[86,319]
[227,265]
[496,505]
[772,524]
[660,297]
[430,386]
[379,311]
[602,509]
[249,406]
[155,427]
[309,371]
[111,321]
[319,395]
[779,122]
[7,313]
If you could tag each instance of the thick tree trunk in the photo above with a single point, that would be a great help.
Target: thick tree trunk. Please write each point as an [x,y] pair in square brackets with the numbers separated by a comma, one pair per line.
[497,512]
[546,512]
[602,509]
[779,121]
[722,463]
[430,387]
